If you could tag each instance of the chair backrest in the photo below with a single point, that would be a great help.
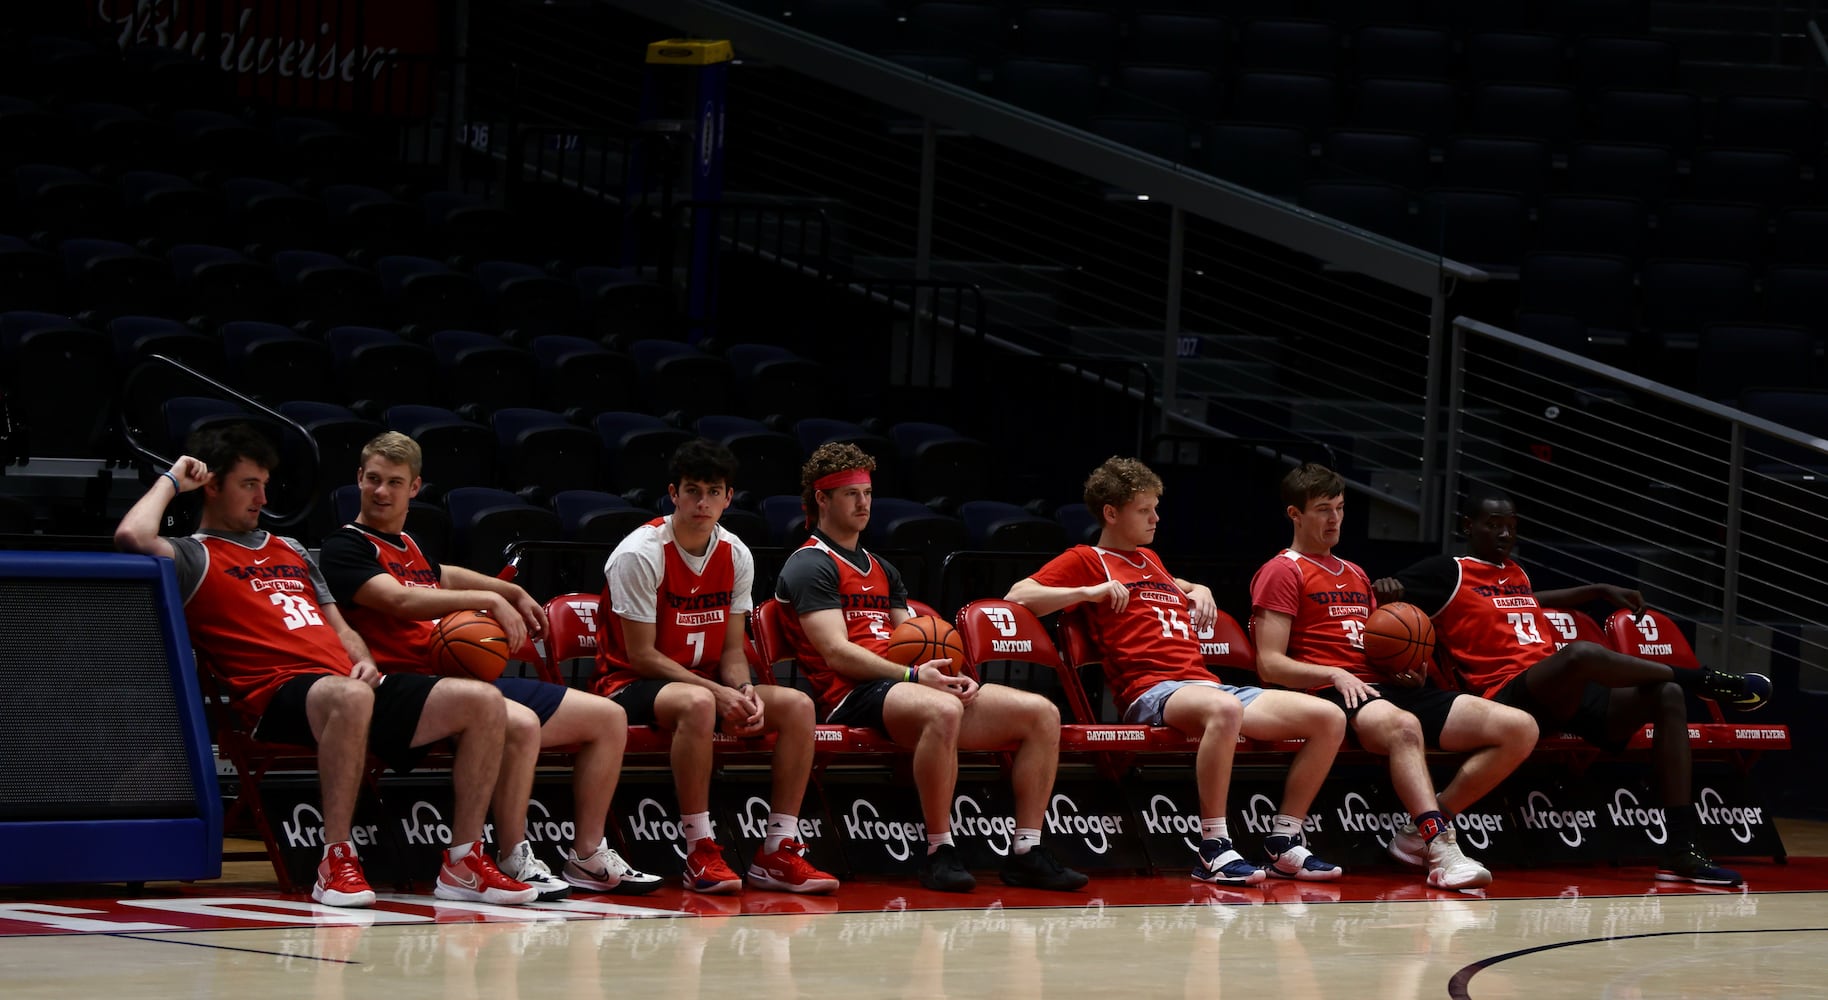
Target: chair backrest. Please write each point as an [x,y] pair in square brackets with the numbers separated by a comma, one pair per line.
[916,607]
[572,634]
[768,644]
[1227,644]
[1079,652]
[1571,626]
[1652,635]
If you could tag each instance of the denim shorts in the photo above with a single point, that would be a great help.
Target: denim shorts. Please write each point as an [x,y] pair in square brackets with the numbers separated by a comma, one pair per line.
[1147,710]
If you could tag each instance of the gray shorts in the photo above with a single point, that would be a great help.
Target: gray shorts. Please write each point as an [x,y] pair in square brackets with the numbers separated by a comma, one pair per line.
[1147,710]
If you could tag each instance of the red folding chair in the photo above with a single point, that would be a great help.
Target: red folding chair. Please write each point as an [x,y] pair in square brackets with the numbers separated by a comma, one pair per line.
[1571,626]
[1655,636]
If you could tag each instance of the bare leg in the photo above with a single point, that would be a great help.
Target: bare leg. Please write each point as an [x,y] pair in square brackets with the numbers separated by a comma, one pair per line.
[788,713]
[1213,716]
[1501,738]
[520,752]
[689,712]
[929,721]
[599,729]
[472,712]
[338,710]
[1287,715]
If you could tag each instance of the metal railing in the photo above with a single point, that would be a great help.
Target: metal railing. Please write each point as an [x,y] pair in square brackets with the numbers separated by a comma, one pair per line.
[1715,513]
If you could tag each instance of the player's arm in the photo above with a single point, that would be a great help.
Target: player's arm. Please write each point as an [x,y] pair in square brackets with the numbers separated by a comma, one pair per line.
[1427,584]
[1045,600]
[459,578]
[1201,605]
[362,666]
[1270,630]
[138,532]
[826,632]
[1574,597]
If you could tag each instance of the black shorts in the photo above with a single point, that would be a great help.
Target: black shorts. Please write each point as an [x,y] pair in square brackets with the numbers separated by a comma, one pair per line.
[1590,721]
[637,699]
[399,700]
[1430,705]
[862,708]
[536,694]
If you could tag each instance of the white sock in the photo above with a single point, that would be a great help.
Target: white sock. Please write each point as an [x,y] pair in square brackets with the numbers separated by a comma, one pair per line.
[348,847]
[1285,825]
[937,840]
[1213,828]
[1026,839]
[695,827]
[781,826]
[461,851]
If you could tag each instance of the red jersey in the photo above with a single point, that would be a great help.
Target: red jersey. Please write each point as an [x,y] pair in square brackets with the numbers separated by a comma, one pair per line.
[865,599]
[1151,640]
[1491,624]
[1329,599]
[398,645]
[255,613]
[690,610]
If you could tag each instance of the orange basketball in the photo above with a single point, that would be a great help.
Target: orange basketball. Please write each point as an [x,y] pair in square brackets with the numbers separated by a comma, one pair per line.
[469,644]
[922,638]
[1399,639]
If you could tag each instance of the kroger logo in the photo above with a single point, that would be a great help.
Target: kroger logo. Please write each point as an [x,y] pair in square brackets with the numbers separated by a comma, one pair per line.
[544,829]
[305,828]
[1739,821]
[1064,817]
[1260,816]
[1539,813]
[752,822]
[865,823]
[1356,816]
[1163,816]
[968,820]
[1477,828]
[1625,812]
[651,822]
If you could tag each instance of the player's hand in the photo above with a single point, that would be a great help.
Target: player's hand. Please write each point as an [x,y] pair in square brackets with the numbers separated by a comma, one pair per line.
[531,613]
[1110,590]
[742,711]
[189,472]
[1201,607]
[1355,690]
[365,671]
[1388,589]
[1625,598]
[511,622]
[933,674]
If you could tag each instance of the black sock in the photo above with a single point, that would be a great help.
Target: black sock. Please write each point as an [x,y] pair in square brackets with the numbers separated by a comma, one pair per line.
[1681,821]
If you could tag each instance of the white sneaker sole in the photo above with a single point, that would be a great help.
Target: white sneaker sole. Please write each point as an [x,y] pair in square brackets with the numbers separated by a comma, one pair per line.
[352,900]
[500,897]
[1471,880]
[627,886]
[758,879]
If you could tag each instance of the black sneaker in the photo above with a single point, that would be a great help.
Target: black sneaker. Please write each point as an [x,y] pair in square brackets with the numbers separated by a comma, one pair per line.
[942,872]
[1690,865]
[1744,692]
[1038,869]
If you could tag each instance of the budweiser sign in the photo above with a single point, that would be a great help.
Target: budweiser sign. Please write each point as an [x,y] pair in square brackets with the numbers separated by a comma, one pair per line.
[307,53]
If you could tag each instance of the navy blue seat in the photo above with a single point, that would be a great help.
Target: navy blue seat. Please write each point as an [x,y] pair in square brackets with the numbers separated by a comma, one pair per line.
[1594,288]
[1289,46]
[1061,90]
[272,362]
[773,381]
[428,523]
[29,277]
[1771,178]
[218,143]
[1548,114]
[526,301]
[1399,158]
[380,367]
[1186,38]
[680,377]
[484,522]
[1801,238]
[323,290]
[1482,228]
[477,368]
[1513,57]
[1733,357]
[1371,205]
[1402,50]
[457,452]
[637,449]
[898,525]
[1682,296]
[1298,100]
[543,449]
[1077,522]
[595,516]
[427,296]
[56,372]
[339,433]
[266,216]
[1517,166]
[113,279]
[1148,89]
[1428,107]
[1631,170]
[939,462]
[768,461]
[1612,63]
[582,375]
[369,223]
[316,151]
[785,516]
[1664,118]
[1163,137]
[1067,33]
[169,209]
[139,337]
[219,284]
[463,227]
[1723,230]
[1592,224]
[1797,296]
[621,305]
[993,525]
[1273,159]
[1791,124]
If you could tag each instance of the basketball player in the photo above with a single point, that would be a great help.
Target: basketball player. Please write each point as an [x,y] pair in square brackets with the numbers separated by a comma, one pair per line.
[671,654]
[260,613]
[1485,614]
[394,594]
[840,603]
[1144,621]
[1308,610]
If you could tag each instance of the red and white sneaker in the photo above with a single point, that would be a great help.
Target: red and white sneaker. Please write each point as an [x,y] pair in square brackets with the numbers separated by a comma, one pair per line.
[706,871]
[475,879]
[786,870]
[340,881]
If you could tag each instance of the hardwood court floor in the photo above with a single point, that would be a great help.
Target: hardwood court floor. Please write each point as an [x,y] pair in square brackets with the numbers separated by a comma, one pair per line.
[1577,932]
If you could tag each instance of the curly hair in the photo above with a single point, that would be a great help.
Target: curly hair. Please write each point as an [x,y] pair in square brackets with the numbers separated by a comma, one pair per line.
[830,457]
[704,460]
[1116,482]
[397,448]
[1310,481]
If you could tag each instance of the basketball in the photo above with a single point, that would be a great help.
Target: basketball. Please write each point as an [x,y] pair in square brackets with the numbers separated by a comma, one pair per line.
[469,644]
[922,638]
[1399,639]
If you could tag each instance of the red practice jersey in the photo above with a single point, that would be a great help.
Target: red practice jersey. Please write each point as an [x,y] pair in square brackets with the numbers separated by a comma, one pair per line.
[399,645]
[691,610]
[255,614]
[1151,640]
[1329,599]
[1491,624]
[865,601]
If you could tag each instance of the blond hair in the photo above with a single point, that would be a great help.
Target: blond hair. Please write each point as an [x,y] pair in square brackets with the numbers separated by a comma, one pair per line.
[397,448]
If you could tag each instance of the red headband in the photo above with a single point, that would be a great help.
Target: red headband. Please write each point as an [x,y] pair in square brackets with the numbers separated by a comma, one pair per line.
[848,477]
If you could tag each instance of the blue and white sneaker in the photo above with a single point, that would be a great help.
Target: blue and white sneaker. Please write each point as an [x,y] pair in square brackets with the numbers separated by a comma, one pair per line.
[1290,858]
[1691,865]
[1221,865]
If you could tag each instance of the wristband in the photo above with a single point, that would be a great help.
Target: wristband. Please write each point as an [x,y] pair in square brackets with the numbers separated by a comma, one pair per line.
[913,674]
[175,488]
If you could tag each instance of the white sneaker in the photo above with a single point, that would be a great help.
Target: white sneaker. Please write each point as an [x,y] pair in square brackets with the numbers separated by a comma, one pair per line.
[522,865]
[1408,846]
[605,871]
[1450,869]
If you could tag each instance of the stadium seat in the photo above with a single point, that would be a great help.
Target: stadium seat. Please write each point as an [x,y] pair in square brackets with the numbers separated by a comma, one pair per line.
[1189,91]
[1631,170]
[1790,124]
[1545,113]
[1296,100]
[1663,118]
[272,363]
[369,223]
[1600,224]
[575,374]
[1516,166]
[1602,63]
[1273,159]
[379,367]
[1289,46]
[772,381]
[541,448]
[1399,158]
[939,462]
[679,377]
[996,526]
[1513,57]
[1682,296]
[598,517]
[1722,230]
[637,450]
[324,291]
[767,461]
[1179,37]
[1768,177]
[1062,90]
[1733,357]
[1402,50]
[219,284]
[1430,108]
[1481,228]
[484,522]
[456,452]
[1594,288]
[526,301]
[1800,238]
[477,368]
[428,296]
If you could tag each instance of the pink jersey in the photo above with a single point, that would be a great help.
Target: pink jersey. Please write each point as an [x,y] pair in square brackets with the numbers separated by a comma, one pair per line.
[1328,599]
[1151,640]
